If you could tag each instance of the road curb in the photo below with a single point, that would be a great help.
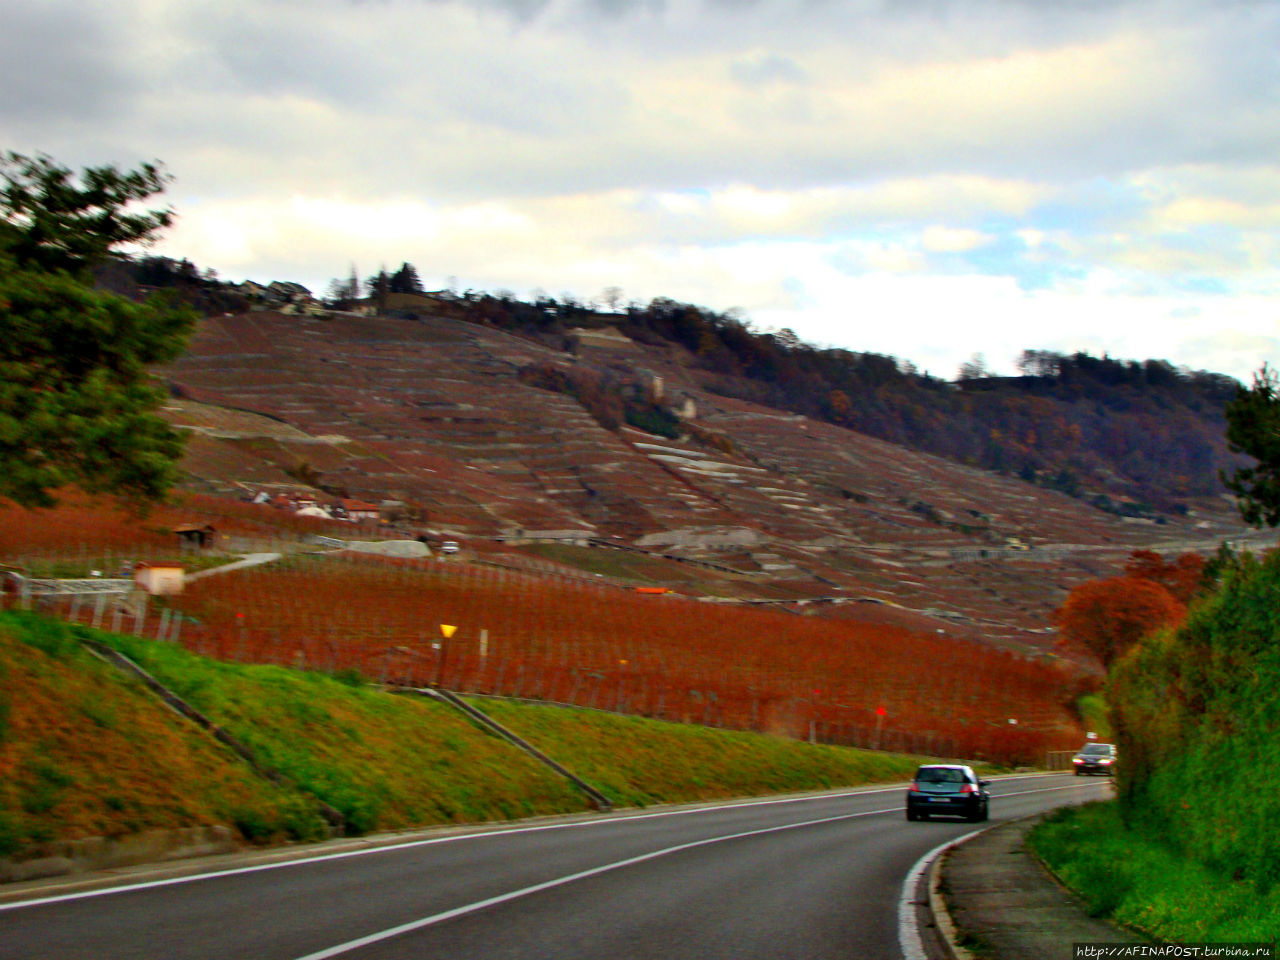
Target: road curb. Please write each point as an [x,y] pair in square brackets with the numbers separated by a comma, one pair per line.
[938,912]
[1000,897]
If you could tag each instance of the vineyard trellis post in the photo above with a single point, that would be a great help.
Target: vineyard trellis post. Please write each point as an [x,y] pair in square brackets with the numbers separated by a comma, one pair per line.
[447,630]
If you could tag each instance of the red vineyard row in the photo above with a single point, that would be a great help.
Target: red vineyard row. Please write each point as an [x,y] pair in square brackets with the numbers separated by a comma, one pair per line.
[591,646]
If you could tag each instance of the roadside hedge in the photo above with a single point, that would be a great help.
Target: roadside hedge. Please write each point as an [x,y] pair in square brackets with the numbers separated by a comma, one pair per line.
[1196,713]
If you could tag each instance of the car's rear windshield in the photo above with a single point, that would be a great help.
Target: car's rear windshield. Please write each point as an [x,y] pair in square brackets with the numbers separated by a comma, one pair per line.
[1097,750]
[939,775]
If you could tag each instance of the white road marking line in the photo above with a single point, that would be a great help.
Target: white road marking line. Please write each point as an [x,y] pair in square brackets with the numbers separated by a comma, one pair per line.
[909,939]
[403,928]
[429,841]
[479,905]
[910,942]
[453,838]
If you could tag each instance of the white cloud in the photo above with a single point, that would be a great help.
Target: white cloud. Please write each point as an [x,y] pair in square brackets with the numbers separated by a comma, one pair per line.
[939,239]
[1041,175]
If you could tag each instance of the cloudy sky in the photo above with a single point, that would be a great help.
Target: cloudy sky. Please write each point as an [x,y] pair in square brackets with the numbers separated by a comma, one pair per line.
[930,179]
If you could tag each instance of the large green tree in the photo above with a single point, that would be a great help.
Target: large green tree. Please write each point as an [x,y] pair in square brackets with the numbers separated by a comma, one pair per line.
[56,222]
[77,398]
[1253,428]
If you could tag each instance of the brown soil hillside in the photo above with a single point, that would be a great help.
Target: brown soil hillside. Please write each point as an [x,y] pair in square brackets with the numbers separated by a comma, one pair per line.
[760,505]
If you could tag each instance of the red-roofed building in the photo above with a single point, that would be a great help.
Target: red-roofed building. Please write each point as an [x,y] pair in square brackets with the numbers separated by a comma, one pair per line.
[360,511]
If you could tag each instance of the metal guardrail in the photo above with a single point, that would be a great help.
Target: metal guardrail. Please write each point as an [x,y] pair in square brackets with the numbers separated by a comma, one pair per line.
[28,587]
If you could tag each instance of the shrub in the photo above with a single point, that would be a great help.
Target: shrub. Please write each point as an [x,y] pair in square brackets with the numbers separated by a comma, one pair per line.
[1140,881]
[1195,712]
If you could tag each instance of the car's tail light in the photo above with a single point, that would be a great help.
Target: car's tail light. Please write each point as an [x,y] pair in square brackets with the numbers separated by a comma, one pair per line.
[913,788]
[968,788]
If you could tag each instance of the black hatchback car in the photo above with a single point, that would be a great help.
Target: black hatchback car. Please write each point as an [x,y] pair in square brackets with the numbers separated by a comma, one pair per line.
[1095,758]
[948,790]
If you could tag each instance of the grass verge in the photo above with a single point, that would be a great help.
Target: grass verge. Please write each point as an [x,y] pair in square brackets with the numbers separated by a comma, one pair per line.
[86,751]
[1138,881]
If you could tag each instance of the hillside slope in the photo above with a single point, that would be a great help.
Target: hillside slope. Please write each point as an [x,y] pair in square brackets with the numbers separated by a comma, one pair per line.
[86,751]
[456,419]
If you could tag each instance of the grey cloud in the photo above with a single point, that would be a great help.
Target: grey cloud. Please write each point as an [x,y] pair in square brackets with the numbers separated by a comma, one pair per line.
[767,69]
[525,11]
[373,94]
[59,64]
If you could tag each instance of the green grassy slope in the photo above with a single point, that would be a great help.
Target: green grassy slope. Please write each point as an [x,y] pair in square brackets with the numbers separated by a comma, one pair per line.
[85,750]
[1144,883]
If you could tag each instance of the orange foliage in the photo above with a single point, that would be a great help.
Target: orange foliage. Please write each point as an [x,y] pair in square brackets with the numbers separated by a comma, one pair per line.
[1181,577]
[564,640]
[561,639]
[1106,617]
[92,526]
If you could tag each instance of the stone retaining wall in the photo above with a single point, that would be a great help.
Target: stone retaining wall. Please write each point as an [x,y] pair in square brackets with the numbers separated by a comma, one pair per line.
[103,853]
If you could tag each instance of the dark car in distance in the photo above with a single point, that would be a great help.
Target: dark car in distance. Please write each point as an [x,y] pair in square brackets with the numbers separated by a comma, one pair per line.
[1095,758]
[947,789]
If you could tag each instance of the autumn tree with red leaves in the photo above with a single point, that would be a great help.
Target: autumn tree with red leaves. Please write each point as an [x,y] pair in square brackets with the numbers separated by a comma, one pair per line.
[1183,577]
[1107,617]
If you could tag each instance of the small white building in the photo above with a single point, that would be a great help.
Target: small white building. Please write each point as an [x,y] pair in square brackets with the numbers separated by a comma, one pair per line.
[160,579]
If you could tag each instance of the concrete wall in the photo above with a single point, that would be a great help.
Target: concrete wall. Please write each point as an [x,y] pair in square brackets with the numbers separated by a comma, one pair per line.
[408,549]
[709,538]
[104,853]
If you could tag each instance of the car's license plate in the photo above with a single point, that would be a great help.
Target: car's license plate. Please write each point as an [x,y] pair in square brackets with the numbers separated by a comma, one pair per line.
[939,799]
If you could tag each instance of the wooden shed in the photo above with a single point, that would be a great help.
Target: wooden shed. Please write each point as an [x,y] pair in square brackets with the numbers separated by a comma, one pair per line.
[196,536]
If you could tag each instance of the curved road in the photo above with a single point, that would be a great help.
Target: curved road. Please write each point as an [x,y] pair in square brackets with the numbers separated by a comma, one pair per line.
[795,877]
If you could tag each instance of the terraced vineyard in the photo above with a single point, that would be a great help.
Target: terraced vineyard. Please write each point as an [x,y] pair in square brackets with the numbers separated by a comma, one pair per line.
[799,577]
[433,411]
[570,640]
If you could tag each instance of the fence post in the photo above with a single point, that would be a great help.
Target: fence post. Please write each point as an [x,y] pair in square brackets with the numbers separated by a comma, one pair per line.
[140,618]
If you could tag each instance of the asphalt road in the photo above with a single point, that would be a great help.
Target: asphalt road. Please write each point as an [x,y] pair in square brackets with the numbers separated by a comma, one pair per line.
[803,878]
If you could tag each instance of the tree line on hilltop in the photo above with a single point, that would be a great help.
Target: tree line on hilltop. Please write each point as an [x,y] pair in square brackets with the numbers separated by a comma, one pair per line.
[1132,437]
[1136,438]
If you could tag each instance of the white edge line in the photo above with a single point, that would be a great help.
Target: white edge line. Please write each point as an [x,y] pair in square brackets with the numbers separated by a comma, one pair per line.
[403,928]
[903,917]
[430,841]
[909,940]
